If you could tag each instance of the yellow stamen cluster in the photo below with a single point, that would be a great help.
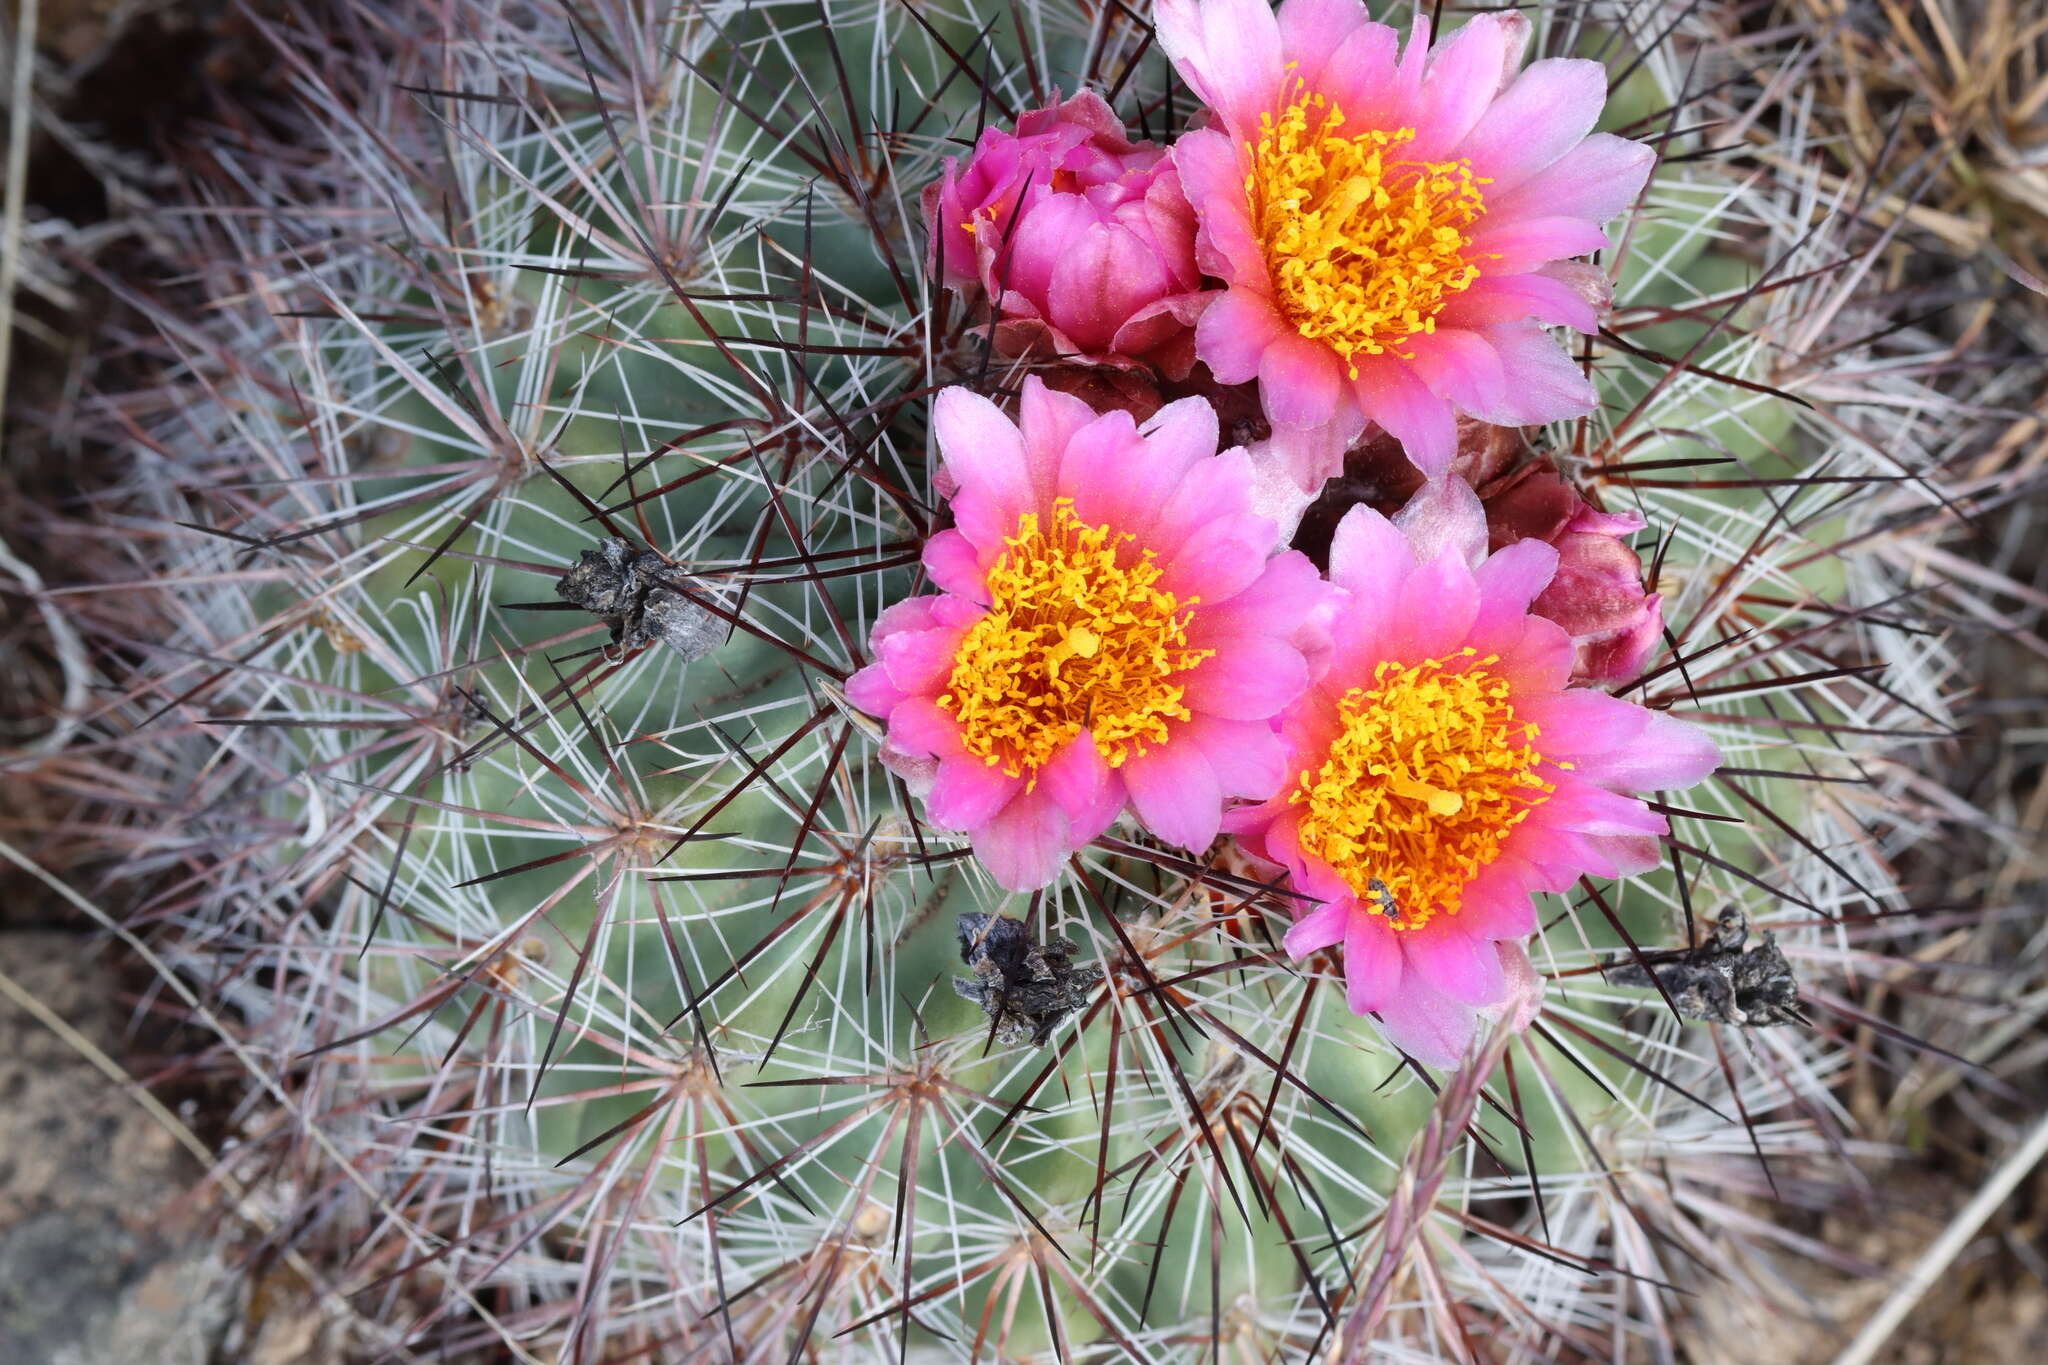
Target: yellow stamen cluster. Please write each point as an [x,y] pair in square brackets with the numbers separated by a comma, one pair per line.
[1431,772]
[1079,634]
[1364,248]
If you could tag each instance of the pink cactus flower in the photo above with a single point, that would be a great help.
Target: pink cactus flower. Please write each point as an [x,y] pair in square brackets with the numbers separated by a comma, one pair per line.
[1081,237]
[1113,626]
[1441,771]
[1392,225]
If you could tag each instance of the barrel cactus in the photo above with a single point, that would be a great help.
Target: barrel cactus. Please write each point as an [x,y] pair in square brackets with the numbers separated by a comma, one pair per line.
[553,406]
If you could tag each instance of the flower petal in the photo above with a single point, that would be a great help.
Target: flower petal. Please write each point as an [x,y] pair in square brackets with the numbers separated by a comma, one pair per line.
[1025,846]
[871,691]
[1594,180]
[1460,964]
[1248,756]
[968,792]
[1494,299]
[1252,680]
[1232,336]
[1228,52]
[1509,580]
[1445,518]
[1549,109]
[1372,963]
[1544,383]
[1084,786]
[1514,246]
[955,565]
[1430,1027]
[1175,793]
[1392,394]
[1369,556]
[1461,80]
[1301,382]
[1318,929]
[982,448]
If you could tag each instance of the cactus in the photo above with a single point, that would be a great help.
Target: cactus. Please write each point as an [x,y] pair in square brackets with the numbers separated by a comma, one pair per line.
[542,419]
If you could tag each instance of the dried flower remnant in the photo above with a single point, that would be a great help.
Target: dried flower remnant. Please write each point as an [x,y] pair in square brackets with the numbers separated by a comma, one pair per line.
[637,594]
[1597,595]
[1392,226]
[1442,772]
[1721,981]
[1025,987]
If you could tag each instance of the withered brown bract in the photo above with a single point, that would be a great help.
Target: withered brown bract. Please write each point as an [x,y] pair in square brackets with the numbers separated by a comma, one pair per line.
[1721,981]
[1027,988]
[637,594]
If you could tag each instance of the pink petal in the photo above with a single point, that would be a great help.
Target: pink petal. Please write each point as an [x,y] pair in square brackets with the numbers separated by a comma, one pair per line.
[1544,383]
[1620,744]
[1444,518]
[1433,611]
[1594,180]
[1432,1028]
[1628,855]
[1221,559]
[1461,965]
[1391,394]
[1318,929]
[871,690]
[1025,846]
[1547,111]
[968,792]
[1084,786]
[1311,31]
[1251,681]
[1228,52]
[955,565]
[1369,556]
[1495,906]
[912,613]
[1513,246]
[1494,299]
[1537,662]
[1233,335]
[1248,756]
[1301,382]
[1461,79]
[1183,433]
[1583,808]
[1461,366]
[1509,580]
[1289,590]
[1523,1000]
[982,448]
[1358,76]
[1048,420]
[1212,489]
[919,661]
[1104,471]
[1372,962]
[918,726]
[1212,168]
[1175,793]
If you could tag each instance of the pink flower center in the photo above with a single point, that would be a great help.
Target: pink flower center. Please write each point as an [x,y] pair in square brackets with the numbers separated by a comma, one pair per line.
[1078,634]
[1363,247]
[1423,783]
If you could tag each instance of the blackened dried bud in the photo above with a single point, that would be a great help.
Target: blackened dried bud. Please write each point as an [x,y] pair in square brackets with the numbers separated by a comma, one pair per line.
[642,597]
[1721,981]
[1025,987]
